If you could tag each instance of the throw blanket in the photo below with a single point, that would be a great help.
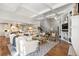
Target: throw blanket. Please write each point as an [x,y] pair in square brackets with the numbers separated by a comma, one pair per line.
[14,41]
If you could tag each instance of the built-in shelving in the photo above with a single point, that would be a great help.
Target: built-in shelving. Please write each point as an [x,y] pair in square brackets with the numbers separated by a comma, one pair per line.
[65,28]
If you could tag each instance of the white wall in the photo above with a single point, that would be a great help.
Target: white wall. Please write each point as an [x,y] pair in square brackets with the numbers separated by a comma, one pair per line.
[2,30]
[75,33]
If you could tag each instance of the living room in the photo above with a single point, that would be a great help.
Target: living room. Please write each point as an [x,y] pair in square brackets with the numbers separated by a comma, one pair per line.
[36,29]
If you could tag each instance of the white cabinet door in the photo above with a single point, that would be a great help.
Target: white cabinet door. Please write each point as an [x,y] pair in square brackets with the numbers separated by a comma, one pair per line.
[75,33]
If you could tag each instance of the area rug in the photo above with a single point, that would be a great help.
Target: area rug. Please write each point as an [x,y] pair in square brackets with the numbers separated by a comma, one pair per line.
[44,48]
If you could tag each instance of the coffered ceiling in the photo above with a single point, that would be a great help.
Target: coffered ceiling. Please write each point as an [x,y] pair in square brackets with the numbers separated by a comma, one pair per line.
[25,12]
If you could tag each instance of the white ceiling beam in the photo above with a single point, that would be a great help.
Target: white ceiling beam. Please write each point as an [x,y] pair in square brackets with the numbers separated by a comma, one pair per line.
[56,10]
[30,9]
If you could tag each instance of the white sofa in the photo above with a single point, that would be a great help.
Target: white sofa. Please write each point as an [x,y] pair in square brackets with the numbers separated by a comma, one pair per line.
[25,45]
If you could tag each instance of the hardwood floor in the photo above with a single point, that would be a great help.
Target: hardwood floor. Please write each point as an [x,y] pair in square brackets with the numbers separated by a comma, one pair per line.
[61,49]
[4,51]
